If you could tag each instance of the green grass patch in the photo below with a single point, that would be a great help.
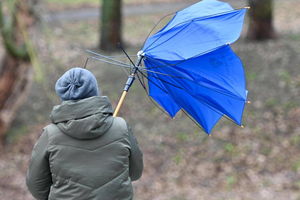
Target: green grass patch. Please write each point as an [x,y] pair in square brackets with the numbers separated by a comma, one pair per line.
[291,105]
[295,37]
[178,157]
[271,102]
[296,166]
[182,137]
[230,148]
[230,181]
[295,140]
[266,150]
[285,76]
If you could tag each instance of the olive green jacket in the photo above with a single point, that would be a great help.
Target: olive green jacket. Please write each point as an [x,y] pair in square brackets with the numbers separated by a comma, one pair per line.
[85,154]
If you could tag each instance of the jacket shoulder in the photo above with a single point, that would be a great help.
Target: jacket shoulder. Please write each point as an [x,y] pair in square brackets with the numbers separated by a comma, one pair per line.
[52,131]
[50,128]
[120,123]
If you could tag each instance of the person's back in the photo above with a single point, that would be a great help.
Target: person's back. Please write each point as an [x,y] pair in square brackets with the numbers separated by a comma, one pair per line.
[85,154]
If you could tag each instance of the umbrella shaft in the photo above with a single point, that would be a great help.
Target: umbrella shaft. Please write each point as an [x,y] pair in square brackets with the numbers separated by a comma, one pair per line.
[128,84]
[131,77]
[120,103]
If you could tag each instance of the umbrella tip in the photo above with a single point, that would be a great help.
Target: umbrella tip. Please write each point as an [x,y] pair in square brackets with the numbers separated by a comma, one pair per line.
[247,7]
[242,126]
[248,102]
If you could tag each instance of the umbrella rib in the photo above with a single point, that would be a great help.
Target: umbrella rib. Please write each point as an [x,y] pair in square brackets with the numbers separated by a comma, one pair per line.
[184,88]
[113,63]
[209,16]
[166,82]
[121,56]
[223,115]
[157,23]
[121,66]
[126,70]
[168,38]
[164,90]
[195,19]
[108,58]
[193,120]
[164,74]
[142,83]
[202,100]
[145,89]
[172,65]
[143,80]
[218,91]
[184,60]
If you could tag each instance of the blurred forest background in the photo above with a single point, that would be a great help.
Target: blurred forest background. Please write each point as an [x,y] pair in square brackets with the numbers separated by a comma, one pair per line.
[42,39]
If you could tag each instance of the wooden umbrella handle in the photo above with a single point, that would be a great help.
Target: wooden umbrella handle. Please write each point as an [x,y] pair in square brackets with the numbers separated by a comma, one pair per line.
[129,82]
[120,103]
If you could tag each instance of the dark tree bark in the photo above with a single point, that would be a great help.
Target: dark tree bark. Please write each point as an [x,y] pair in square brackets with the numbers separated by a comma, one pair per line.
[261,20]
[111,25]
[15,70]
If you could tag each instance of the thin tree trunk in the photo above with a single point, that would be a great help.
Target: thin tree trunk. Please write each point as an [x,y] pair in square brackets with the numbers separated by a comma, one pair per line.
[15,71]
[111,26]
[261,20]
[15,80]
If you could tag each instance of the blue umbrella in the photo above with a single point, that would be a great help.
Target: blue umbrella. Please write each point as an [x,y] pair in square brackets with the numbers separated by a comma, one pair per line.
[190,65]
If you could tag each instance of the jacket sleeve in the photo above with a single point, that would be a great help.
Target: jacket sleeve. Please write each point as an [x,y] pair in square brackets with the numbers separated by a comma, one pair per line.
[38,178]
[136,158]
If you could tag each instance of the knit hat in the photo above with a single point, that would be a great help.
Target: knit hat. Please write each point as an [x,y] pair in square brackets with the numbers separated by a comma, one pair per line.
[76,83]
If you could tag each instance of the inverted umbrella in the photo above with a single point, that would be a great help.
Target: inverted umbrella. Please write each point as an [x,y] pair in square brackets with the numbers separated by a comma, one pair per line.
[190,65]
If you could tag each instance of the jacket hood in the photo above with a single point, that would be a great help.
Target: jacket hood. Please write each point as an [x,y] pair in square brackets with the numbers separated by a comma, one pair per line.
[83,119]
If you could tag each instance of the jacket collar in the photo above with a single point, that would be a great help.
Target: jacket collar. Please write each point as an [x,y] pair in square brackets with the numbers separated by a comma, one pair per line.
[70,110]
[84,119]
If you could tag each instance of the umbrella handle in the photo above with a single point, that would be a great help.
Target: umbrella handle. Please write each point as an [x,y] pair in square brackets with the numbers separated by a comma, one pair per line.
[130,80]
[120,103]
[127,86]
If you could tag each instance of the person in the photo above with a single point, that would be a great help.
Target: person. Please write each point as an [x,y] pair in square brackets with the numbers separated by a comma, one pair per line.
[85,153]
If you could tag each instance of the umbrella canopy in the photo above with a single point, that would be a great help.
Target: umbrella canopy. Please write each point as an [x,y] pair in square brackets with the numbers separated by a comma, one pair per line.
[191,66]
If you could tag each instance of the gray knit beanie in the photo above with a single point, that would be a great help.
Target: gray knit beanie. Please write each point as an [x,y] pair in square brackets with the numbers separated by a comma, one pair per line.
[76,83]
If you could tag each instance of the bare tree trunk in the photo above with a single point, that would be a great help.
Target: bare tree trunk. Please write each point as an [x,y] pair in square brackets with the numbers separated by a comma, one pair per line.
[15,80]
[111,26]
[261,20]
[15,71]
